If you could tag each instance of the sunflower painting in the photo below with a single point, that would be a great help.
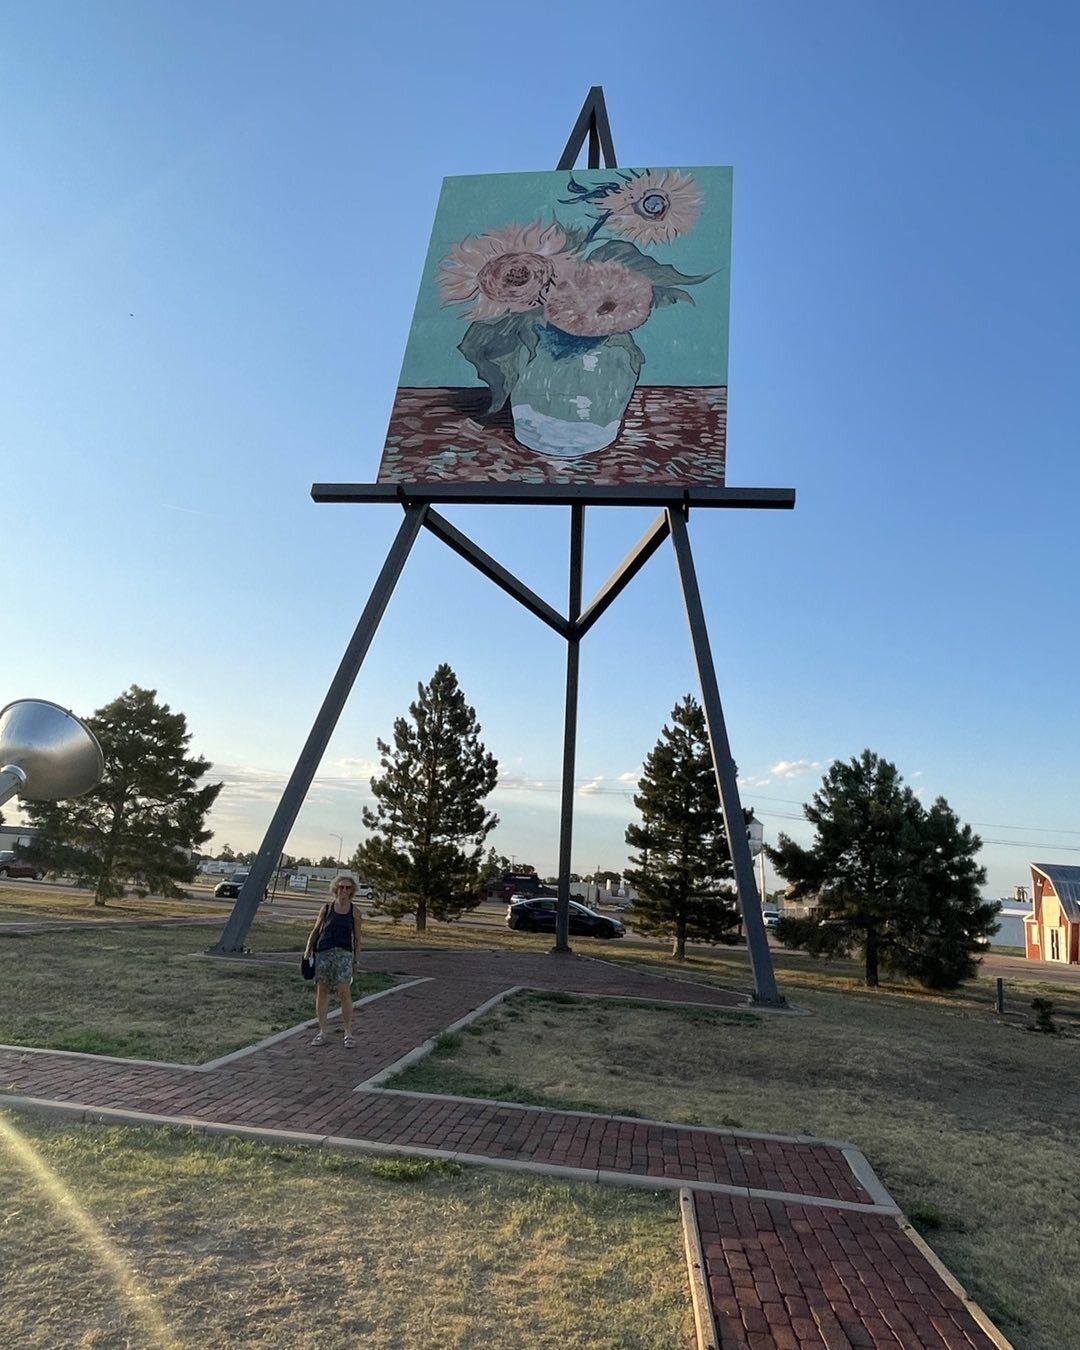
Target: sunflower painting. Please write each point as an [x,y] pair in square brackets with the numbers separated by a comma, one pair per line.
[570,328]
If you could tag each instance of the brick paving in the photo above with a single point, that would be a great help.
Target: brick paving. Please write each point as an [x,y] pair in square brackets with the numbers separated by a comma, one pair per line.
[786,1276]
[781,1272]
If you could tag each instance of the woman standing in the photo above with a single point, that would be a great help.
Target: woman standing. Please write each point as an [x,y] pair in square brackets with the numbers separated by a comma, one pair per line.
[335,943]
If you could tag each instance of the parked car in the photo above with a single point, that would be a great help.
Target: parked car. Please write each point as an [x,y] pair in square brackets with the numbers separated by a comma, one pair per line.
[11,866]
[363,891]
[231,887]
[771,917]
[537,915]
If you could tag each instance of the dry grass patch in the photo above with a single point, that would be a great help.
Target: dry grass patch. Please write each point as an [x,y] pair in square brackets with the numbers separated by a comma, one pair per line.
[247,1244]
[971,1123]
[145,992]
[797,973]
[27,903]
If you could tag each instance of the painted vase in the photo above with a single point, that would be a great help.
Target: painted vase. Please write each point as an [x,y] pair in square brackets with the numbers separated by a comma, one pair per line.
[571,397]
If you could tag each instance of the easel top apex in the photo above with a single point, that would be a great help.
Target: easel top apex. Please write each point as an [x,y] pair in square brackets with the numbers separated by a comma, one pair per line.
[592,122]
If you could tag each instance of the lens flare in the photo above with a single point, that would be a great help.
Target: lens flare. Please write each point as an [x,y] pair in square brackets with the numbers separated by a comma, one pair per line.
[112,1259]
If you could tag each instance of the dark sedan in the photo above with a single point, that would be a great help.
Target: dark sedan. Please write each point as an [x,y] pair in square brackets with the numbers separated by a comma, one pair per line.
[538,916]
[11,866]
[229,890]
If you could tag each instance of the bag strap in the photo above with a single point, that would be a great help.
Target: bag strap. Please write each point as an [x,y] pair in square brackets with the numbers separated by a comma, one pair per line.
[320,924]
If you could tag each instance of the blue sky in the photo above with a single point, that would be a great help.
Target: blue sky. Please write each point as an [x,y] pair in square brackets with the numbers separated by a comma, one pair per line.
[215,222]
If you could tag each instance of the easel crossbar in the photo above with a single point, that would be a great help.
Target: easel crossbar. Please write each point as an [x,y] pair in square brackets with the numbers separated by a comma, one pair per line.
[558,494]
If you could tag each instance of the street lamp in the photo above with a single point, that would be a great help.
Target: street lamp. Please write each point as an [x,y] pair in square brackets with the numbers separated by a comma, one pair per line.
[46,752]
[340,846]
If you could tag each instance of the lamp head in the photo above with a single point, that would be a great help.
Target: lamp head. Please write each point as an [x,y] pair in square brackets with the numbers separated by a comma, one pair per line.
[47,752]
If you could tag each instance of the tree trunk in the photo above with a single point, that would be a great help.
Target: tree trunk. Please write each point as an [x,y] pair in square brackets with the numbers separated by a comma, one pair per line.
[871,959]
[678,949]
[421,917]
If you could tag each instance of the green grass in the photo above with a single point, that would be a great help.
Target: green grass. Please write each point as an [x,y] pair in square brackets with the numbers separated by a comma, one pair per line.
[146,993]
[119,1237]
[413,1169]
[447,1073]
[969,1119]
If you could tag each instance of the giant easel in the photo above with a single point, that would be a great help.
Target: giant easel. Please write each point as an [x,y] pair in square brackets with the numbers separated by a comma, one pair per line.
[418,501]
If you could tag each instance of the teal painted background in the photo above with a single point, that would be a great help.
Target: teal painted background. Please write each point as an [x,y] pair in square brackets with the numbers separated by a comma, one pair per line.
[683,344]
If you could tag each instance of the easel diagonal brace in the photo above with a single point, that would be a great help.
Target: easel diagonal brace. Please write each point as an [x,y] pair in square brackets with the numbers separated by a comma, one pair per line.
[494,571]
[627,570]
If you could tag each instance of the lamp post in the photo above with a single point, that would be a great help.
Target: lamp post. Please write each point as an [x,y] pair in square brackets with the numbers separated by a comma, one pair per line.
[340,846]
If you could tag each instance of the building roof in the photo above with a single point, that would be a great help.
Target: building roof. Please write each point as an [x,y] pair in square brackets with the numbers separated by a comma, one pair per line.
[1066,884]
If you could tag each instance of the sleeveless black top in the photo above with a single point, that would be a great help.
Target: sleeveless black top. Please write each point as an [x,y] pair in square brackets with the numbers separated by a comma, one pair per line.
[337,931]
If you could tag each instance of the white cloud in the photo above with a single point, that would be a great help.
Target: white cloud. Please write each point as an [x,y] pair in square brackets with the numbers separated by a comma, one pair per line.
[590,789]
[793,768]
[247,786]
[634,776]
[517,782]
[357,768]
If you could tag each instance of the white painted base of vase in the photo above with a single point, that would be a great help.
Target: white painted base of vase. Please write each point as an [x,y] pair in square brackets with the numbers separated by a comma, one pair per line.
[560,439]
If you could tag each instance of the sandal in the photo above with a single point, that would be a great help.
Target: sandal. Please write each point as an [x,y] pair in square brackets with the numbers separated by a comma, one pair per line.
[318,1039]
[349,1042]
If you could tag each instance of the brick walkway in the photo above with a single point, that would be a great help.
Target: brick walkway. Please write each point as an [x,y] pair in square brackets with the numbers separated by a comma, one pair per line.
[801,1245]
[786,1276]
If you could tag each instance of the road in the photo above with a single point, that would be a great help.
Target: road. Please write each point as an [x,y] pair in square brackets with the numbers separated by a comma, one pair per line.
[291,906]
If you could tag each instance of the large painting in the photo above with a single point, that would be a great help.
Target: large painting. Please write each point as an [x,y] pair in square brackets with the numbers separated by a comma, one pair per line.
[571,327]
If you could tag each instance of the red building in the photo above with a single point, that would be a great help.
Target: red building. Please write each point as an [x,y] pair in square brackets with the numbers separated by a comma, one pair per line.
[1052,933]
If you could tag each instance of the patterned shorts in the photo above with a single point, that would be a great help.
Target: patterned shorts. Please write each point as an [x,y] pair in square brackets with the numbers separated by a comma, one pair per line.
[334,966]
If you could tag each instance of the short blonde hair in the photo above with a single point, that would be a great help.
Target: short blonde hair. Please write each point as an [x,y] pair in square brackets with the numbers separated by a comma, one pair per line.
[347,881]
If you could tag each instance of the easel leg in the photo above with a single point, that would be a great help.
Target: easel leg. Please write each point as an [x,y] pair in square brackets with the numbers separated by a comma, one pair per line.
[765,990]
[236,929]
[573,652]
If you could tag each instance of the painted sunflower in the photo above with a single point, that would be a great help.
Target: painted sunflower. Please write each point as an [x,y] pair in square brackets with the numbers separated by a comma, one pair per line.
[596,299]
[653,208]
[505,271]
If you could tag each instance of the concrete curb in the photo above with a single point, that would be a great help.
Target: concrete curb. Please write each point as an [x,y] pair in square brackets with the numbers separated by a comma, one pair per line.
[222,1060]
[661,975]
[279,1036]
[867,1178]
[425,1048]
[957,1288]
[100,1059]
[95,1115]
[789,1009]
[719,1130]
[735,1009]
[704,1322]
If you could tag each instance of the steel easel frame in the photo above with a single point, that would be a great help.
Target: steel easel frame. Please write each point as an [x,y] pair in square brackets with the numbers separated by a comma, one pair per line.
[418,502]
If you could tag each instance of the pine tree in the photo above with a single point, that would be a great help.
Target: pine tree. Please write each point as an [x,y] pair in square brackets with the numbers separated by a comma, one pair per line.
[891,880]
[147,814]
[683,870]
[429,824]
[493,866]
